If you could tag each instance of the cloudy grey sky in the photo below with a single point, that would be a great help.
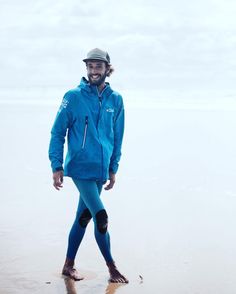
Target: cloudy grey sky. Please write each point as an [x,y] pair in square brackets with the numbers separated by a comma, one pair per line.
[155,43]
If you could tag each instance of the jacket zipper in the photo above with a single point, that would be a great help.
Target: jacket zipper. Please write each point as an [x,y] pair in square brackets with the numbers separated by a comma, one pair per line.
[100,100]
[85,131]
[100,104]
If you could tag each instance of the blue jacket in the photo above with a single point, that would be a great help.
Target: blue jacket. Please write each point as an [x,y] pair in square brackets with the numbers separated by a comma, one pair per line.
[94,125]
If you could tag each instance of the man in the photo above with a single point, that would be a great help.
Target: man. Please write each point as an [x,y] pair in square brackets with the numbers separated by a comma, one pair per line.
[92,118]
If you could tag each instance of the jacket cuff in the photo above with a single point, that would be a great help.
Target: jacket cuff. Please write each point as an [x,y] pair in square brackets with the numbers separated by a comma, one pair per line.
[57,169]
[113,169]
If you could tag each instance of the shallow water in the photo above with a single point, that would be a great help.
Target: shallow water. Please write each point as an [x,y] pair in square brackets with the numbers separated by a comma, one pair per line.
[172,212]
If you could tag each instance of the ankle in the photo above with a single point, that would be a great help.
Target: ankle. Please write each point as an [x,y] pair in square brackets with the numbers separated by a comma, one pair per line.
[111,265]
[69,262]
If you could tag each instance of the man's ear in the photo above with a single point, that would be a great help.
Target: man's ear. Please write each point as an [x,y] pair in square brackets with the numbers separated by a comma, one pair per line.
[109,71]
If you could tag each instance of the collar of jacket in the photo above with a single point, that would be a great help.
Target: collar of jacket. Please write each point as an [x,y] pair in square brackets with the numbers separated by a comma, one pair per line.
[85,85]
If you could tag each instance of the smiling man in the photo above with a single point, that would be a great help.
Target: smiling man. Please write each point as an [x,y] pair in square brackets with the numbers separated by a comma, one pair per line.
[92,118]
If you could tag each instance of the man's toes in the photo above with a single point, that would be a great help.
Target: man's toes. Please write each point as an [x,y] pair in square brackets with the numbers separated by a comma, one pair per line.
[118,280]
[115,280]
[123,279]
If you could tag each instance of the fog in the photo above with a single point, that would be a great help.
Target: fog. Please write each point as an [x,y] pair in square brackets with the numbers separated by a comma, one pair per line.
[172,211]
[152,44]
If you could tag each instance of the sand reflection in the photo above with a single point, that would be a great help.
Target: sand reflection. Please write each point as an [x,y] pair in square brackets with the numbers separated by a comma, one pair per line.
[112,287]
[71,286]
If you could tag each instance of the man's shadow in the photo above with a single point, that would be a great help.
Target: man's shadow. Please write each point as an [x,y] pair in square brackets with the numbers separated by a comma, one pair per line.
[71,289]
[112,287]
[70,285]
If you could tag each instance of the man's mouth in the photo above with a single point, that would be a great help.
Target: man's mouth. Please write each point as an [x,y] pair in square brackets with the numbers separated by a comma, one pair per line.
[95,77]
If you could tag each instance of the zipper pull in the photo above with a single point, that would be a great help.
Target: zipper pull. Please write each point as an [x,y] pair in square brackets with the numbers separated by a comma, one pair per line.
[85,131]
[99,97]
[100,100]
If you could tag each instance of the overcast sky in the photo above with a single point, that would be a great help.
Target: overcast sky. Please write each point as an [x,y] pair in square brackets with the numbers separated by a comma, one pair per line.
[167,43]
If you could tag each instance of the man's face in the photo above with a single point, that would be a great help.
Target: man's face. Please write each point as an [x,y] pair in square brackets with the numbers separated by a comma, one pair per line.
[96,71]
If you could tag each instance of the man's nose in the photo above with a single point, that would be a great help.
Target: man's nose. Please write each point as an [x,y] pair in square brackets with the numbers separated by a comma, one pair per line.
[93,70]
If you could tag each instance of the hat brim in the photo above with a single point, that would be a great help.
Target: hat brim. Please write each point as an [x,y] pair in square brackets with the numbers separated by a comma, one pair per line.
[94,58]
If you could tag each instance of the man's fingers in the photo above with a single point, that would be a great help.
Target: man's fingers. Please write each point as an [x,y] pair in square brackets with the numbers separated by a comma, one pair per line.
[112,179]
[107,187]
[110,185]
[58,180]
[57,185]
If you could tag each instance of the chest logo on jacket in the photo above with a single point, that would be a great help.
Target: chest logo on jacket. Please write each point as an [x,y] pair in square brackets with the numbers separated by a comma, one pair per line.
[110,110]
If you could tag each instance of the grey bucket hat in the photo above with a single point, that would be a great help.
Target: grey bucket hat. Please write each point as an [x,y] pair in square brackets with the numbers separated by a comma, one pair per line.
[97,54]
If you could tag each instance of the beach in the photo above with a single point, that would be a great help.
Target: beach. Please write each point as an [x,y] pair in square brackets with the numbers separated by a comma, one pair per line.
[171,213]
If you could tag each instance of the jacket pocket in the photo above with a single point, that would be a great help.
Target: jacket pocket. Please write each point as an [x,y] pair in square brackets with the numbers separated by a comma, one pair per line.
[85,131]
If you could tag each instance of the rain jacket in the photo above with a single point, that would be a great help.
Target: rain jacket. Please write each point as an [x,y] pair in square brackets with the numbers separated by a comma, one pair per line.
[94,125]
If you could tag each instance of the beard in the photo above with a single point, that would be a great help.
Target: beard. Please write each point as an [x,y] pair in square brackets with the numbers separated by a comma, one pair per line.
[97,81]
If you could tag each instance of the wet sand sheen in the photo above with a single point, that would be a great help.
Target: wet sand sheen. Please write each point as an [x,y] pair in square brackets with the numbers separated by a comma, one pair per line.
[175,190]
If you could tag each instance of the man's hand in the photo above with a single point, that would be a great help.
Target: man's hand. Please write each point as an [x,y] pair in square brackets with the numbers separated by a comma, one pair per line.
[112,179]
[58,179]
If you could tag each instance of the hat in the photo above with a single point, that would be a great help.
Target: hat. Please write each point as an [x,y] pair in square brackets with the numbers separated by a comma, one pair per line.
[97,54]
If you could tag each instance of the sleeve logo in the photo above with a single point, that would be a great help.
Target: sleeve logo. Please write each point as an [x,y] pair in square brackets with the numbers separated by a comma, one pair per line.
[63,104]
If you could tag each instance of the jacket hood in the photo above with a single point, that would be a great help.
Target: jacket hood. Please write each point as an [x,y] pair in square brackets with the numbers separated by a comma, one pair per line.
[85,85]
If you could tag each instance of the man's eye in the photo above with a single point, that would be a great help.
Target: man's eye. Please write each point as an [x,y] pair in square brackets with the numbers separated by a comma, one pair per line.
[98,67]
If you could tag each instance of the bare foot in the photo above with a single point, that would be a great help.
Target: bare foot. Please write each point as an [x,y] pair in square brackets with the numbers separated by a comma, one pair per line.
[72,273]
[115,275]
[69,271]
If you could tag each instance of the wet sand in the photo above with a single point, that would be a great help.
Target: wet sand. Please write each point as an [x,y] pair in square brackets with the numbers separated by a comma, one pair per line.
[172,212]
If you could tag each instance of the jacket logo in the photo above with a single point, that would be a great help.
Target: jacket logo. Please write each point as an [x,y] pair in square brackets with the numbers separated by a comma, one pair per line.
[63,104]
[110,110]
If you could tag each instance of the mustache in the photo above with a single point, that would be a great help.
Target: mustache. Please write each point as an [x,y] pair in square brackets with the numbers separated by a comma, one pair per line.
[90,75]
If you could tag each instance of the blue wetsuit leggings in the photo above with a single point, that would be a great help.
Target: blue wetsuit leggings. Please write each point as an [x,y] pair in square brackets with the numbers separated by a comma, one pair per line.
[90,206]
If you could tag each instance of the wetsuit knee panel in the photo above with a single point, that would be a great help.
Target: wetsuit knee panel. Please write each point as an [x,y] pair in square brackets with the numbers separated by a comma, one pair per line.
[85,218]
[102,221]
